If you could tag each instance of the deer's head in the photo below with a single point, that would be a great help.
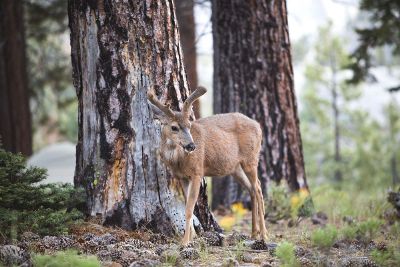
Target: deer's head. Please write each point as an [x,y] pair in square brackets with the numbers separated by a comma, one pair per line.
[176,125]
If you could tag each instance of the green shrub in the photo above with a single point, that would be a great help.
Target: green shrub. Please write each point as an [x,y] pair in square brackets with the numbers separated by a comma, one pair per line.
[368,229]
[278,203]
[349,232]
[324,238]
[26,205]
[65,259]
[389,257]
[349,201]
[285,253]
[364,231]
[171,258]
[395,231]
[282,204]
[307,208]
[239,252]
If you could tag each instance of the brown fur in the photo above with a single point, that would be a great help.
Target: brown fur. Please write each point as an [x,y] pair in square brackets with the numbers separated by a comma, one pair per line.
[226,144]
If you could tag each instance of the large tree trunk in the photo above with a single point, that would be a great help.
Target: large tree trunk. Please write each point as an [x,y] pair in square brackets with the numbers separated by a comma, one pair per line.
[187,30]
[15,117]
[253,75]
[120,50]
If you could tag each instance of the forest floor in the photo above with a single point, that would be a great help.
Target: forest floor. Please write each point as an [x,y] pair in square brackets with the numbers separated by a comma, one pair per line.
[116,247]
[346,230]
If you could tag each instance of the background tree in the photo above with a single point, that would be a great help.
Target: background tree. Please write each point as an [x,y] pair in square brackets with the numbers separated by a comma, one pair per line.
[119,52]
[53,99]
[15,126]
[393,111]
[363,141]
[253,75]
[383,31]
[326,88]
[187,30]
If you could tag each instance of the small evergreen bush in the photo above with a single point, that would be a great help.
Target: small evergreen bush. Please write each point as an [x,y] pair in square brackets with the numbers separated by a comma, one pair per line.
[285,253]
[389,257]
[324,238]
[278,204]
[65,259]
[364,231]
[368,229]
[26,205]
[239,251]
[349,232]
[171,258]
[282,204]
[395,230]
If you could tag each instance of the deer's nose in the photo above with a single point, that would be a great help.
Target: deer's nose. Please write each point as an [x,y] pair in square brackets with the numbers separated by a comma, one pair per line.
[190,147]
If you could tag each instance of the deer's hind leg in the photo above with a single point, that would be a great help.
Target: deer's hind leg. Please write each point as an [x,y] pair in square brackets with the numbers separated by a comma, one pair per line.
[251,172]
[241,177]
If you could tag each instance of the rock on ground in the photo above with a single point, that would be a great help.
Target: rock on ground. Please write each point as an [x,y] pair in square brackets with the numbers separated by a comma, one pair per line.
[11,255]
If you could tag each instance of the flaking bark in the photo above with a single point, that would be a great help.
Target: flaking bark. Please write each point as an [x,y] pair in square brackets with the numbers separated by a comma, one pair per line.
[120,50]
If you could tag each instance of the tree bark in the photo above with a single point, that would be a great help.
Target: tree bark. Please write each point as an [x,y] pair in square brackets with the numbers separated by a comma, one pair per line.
[120,50]
[253,75]
[15,117]
[187,30]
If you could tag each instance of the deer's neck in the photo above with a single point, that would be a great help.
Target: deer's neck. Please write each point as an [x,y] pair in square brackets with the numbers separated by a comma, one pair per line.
[173,155]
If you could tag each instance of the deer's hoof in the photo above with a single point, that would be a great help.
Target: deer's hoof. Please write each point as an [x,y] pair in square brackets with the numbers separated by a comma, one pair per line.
[264,237]
[255,235]
[185,242]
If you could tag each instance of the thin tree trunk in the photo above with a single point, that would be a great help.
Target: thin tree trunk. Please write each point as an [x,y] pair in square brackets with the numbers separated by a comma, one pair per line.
[394,171]
[393,159]
[120,50]
[15,117]
[336,128]
[187,30]
[253,75]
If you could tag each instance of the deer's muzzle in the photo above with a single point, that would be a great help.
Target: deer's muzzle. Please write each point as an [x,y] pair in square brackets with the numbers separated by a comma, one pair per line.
[190,147]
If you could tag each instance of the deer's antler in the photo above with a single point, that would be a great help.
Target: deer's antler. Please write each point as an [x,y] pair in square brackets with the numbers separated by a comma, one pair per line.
[164,108]
[189,101]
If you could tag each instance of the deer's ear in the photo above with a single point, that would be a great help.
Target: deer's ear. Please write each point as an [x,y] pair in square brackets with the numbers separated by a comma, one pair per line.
[158,114]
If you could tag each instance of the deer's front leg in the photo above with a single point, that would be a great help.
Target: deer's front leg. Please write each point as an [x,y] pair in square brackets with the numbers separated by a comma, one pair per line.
[191,199]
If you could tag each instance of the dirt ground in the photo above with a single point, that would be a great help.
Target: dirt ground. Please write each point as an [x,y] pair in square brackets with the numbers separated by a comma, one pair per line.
[116,247]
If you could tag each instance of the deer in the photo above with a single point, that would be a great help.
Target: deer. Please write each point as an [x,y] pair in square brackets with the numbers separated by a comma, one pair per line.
[215,146]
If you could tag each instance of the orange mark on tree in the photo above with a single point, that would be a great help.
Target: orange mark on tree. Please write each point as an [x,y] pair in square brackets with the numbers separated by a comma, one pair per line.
[117,172]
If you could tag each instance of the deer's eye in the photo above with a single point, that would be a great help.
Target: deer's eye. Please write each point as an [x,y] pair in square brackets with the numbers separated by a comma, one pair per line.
[174,128]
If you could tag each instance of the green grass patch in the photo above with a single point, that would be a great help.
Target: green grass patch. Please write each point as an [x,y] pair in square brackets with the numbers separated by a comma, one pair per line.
[286,254]
[389,257]
[68,258]
[349,232]
[360,205]
[324,238]
[171,258]
[368,230]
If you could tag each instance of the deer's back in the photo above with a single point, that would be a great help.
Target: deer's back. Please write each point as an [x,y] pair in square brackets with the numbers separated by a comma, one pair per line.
[229,139]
